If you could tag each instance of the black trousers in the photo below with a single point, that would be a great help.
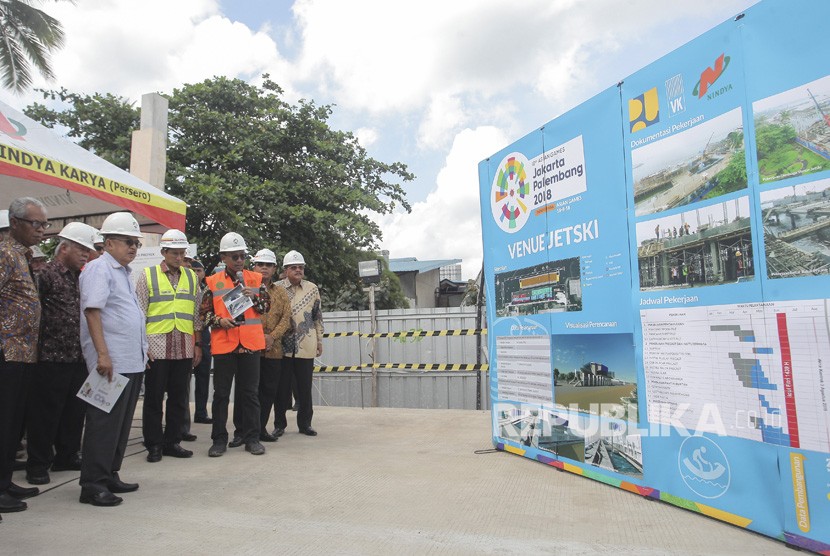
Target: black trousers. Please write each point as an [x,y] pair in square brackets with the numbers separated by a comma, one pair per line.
[202,376]
[269,379]
[106,436]
[301,370]
[244,367]
[173,377]
[13,386]
[54,414]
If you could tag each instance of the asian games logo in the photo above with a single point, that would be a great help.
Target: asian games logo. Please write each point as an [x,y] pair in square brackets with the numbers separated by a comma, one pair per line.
[510,197]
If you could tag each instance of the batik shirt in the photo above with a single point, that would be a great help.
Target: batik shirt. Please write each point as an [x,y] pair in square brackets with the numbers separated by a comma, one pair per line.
[19,303]
[60,298]
[306,334]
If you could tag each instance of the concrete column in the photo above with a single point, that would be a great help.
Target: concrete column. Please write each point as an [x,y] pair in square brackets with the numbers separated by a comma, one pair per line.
[664,270]
[148,156]
[717,271]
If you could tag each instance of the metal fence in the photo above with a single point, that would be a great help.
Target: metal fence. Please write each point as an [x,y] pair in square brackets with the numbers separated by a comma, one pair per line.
[347,346]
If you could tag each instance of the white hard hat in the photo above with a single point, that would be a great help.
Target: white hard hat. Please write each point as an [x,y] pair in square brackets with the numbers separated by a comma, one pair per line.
[191,251]
[37,253]
[232,242]
[293,257]
[173,239]
[121,224]
[4,219]
[80,233]
[98,237]
[265,256]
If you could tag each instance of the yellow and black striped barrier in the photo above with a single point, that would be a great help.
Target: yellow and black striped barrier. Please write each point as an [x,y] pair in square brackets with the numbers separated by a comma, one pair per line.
[407,366]
[410,333]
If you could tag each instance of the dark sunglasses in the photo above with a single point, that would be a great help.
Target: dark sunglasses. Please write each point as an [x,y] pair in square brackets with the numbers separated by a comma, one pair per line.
[129,242]
[236,256]
[36,224]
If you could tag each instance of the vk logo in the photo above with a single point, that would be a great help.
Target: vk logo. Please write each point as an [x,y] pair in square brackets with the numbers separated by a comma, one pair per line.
[675,95]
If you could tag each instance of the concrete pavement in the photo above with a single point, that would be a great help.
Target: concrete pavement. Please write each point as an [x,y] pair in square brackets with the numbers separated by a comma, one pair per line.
[375,481]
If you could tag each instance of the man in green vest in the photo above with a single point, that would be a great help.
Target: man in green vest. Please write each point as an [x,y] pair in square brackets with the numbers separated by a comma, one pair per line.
[170,296]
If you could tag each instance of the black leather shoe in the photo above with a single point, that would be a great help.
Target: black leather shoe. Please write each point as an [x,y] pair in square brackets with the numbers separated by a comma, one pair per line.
[217,449]
[154,454]
[203,420]
[308,431]
[278,432]
[99,498]
[37,477]
[176,451]
[118,486]
[73,465]
[9,503]
[267,437]
[255,448]
[236,442]
[187,437]
[22,493]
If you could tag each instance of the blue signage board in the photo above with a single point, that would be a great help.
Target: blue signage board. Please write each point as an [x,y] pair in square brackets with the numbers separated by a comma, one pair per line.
[657,261]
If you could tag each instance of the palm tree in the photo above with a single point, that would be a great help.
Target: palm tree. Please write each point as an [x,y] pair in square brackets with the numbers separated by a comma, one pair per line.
[27,35]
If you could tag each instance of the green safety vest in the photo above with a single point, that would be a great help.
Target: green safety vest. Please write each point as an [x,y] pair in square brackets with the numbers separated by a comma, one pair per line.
[168,309]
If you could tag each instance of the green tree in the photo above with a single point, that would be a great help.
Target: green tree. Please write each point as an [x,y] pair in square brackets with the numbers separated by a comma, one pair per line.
[733,177]
[771,138]
[27,37]
[245,160]
[351,297]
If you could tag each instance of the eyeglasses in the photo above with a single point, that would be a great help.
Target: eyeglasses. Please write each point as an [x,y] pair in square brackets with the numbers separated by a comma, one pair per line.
[295,267]
[129,242]
[36,224]
[236,257]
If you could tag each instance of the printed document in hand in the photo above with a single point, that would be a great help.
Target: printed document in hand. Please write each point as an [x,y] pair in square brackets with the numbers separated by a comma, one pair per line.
[237,302]
[99,392]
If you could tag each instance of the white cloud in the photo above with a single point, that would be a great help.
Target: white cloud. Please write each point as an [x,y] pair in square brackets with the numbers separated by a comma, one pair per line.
[366,136]
[444,116]
[130,48]
[447,225]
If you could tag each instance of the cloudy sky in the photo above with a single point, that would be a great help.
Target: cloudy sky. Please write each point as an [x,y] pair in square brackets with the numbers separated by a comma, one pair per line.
[436,85]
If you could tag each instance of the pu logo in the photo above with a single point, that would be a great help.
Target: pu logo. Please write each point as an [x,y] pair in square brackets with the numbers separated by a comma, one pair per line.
[644,110]
[710,75]
[12,128]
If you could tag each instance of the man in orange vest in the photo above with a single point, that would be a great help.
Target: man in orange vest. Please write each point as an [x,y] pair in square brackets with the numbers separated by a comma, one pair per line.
[237,340]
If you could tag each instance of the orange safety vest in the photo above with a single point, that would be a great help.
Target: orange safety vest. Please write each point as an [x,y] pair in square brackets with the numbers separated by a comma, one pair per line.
[248,333]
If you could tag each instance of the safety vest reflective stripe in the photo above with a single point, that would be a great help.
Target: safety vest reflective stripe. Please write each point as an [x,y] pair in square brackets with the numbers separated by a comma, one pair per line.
[160,318]
[168,311]
[249,333]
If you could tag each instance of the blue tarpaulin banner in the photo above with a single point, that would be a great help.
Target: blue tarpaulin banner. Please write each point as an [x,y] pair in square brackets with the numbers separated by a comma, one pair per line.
[657,266]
